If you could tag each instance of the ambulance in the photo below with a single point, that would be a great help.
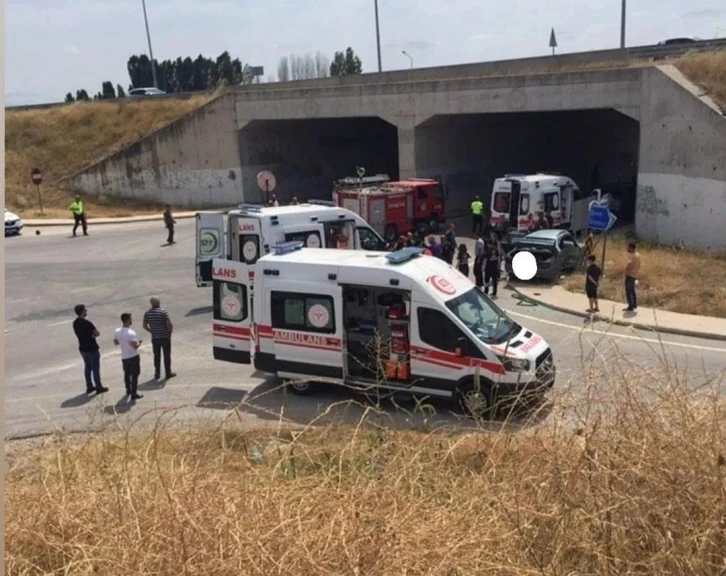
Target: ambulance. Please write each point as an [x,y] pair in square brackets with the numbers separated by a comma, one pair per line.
[517,198]
[392,322]
[247,233]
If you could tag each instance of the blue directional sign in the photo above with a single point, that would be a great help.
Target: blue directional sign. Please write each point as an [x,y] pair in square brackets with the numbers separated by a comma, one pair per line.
[601,219]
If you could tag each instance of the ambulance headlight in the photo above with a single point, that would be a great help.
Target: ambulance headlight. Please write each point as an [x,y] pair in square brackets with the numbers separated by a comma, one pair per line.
[514,364]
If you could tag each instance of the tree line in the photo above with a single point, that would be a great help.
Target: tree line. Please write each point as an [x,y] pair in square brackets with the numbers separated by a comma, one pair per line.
[203,73]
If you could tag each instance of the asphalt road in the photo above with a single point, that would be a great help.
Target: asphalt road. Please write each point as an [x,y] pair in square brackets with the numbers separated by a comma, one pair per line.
[118,267]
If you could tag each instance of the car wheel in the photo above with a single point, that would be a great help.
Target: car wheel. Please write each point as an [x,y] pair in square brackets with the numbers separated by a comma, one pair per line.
[476,401]
[300,387]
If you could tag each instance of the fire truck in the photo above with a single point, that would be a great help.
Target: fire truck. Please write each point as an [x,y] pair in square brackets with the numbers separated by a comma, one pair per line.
[394,208]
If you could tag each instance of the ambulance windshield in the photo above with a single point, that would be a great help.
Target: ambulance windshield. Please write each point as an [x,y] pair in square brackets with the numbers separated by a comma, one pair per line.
[486,320]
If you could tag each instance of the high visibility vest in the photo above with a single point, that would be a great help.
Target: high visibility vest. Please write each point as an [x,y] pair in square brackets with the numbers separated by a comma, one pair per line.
[76,207]
[476,207]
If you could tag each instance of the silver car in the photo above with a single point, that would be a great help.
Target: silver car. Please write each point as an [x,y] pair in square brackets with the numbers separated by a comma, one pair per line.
[556,251]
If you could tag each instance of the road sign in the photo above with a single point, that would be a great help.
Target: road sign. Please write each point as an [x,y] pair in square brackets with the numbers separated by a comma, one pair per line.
[600,219]
[266,181]
[553,39]
[36,176]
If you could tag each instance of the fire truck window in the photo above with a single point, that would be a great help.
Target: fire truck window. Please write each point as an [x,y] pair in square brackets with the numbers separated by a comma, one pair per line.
[422,195]
[304,312]
[524,205]
[552,201]
[369,240]
[501,202]
[230,301]
[437,330]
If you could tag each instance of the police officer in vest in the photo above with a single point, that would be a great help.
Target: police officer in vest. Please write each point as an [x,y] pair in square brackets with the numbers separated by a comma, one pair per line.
[477,221]
[79,216]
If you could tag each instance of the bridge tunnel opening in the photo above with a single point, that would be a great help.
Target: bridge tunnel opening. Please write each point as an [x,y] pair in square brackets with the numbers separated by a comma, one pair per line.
[307,156]
[596,148]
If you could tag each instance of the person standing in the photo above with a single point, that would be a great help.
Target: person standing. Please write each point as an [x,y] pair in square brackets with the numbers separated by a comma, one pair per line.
[476,215]
[592,281]
[79,216]
[125,337]
[479,253]
[158,324]
[169,223]
[462,260]
[632,271]
[87,333]
[493,263]
[434,246]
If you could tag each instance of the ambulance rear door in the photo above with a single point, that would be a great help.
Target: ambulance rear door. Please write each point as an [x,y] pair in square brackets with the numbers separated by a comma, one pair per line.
[246,241]
[232,311]
[211,243]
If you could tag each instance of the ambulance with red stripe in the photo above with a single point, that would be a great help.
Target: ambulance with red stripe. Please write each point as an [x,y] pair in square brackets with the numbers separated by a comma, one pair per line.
[399,321]
[246,234]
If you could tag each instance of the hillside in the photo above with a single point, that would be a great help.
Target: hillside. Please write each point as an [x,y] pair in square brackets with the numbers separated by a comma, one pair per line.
[62,140]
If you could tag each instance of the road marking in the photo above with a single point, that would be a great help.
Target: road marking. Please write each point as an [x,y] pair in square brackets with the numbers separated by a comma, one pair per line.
[61,367]
[60,323]
[86,289]
[615,335]
[16,300]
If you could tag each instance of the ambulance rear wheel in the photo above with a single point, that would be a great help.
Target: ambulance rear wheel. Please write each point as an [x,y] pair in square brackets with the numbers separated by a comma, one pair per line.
[476,401]
[300,387]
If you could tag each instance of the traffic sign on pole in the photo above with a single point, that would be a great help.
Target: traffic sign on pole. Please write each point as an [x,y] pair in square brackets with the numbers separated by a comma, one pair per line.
[600,219]
[36,176]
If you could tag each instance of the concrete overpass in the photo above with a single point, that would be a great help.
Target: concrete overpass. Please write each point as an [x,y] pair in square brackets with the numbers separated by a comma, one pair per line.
[645,133]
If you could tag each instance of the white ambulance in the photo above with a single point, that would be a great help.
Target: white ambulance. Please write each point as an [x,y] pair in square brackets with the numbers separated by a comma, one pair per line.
[517,198]
[399,321]
[247,233]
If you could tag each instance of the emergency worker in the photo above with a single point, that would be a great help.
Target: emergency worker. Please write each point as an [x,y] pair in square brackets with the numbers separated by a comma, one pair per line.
[79,216]
[477,208]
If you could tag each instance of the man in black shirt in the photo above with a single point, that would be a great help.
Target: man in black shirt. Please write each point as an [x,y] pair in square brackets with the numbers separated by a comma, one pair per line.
[592,281]
[169,223]
[87,333]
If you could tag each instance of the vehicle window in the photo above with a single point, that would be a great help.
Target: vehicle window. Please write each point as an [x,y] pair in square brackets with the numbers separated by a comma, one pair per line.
[487,321]
[305,312]
[249,248]
[421,194]
[524,204]
[310,238]
[339,235]
[230,301]
[501,202]
[369,240]
[568,241]
[551,201]
[440,192]
[435,329]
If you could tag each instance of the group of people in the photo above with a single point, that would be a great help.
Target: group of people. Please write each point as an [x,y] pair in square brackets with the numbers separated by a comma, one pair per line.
[156,321]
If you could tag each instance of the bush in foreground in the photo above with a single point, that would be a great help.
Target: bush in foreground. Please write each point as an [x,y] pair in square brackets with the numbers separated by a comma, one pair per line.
[627,477]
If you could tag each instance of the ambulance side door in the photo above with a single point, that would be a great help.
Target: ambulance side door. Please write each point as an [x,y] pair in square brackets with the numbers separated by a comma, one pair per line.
[232,311]
[211,243]
[310,234]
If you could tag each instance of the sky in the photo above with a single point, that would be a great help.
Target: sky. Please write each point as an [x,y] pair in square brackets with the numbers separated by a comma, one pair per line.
[56,46]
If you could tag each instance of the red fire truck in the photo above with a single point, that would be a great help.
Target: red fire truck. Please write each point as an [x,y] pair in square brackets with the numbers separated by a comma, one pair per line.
[393,208]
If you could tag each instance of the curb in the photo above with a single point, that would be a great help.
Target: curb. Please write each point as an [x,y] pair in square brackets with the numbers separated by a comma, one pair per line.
[122,220]
[625,323]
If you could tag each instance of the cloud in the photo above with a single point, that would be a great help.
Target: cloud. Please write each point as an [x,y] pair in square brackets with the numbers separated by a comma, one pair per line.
[705,13]
[71,50]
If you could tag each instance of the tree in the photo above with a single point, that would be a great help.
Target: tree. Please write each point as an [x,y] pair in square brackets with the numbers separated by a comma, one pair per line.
[283,69]
[108,92]
[346,64]
[120,91]
[302,67]
[69,98]
[82,95]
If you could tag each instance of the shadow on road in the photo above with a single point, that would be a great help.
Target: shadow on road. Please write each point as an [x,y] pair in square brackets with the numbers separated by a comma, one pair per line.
[152,385]
[121,407]
[331,404]
[78,401]
[199,311]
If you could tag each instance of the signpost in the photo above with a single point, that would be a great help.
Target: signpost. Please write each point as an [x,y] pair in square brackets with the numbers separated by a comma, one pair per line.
[266,181]
[553,41]
[37,178]
[601,220]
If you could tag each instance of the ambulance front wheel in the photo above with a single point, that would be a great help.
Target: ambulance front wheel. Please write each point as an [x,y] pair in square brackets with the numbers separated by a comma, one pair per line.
[300,387]
[476,401]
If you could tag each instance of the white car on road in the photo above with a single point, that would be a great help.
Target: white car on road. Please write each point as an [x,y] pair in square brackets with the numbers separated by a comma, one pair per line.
[13,223]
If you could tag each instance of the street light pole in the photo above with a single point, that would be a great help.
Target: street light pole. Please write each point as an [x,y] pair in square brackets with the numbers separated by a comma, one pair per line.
[408,56]
[151,53]
[378,38]
[622,25]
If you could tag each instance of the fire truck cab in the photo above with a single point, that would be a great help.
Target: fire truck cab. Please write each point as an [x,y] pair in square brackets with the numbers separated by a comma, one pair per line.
[518,198]
[394,208]
[397,322]
[246,234]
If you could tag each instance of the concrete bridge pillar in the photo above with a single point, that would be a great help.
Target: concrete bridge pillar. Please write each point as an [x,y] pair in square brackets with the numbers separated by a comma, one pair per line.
[406,146]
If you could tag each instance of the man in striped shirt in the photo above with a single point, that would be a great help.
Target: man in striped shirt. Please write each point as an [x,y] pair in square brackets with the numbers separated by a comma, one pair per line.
[158,324]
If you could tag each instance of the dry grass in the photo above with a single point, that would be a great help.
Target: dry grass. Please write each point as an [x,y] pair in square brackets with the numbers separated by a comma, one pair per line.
[708,71]
[627,476]
[671,278]
[60,141]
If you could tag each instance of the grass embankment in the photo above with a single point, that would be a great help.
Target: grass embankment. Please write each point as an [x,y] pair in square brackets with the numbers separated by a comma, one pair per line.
[671,278]
[634,483]
[60,141]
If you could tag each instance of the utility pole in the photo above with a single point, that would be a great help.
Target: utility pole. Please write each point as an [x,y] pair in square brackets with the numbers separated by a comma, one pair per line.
[151,52]
[622,25]
[378,38]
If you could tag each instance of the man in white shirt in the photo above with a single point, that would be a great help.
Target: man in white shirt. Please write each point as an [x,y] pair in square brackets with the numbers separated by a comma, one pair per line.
[125,337]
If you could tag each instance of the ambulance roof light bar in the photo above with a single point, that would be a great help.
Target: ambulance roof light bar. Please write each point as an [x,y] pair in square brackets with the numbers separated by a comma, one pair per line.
[250,207]
[287,247]
[404,254]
